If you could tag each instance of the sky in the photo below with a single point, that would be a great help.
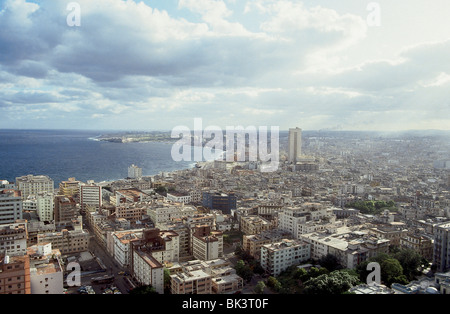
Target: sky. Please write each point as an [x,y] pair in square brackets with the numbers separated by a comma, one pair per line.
[157,64]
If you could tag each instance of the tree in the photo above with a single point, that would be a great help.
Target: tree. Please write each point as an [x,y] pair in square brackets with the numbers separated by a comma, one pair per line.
[167,280]
[411,261]
[144,290]
[273,283]
[330,262]
[336,282]
[243,270]
[391,270]
[260,286]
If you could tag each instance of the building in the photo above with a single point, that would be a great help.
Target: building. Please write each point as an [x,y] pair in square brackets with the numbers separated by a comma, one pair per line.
[277,257]
[441,256]
[10,206]
[90,195]
[32,185]
[191,282]
[179,197]
[45,206]
[166,212]
[134,172]
[419,243]
[14,274]
[67,242]
[65,209]
[207,244]
[252,243]
[220,201]
[147,270]
[254,224]
[70,188]
[295,145]
[13,238]
[46,271]
[121,249]
[132,212]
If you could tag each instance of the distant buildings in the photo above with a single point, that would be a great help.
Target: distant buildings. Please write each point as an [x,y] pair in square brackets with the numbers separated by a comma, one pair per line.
[70,188]
[295,145]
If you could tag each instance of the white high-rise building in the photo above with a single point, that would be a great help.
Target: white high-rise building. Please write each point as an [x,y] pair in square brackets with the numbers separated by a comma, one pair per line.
[295,145]
[90,195]
[44,206]
[32,185]
[10,205]
[134,172]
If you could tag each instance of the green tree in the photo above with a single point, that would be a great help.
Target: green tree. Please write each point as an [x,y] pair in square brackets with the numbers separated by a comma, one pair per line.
[144,290]
[336,282]
[243,270]
[260,286]
[273,283]
[411,261]
[330,262]
[167,280]
[391,270]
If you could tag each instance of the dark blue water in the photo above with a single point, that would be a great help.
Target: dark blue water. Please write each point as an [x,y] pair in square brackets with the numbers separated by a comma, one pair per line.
[64,154]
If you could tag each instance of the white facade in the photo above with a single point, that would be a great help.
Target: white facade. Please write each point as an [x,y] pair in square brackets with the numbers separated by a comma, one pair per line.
[148,271]
[90,195]
[134,172]
[277,257]
[45,206]
[32,185]
[10,206]
[166,213]
[46,272]
[179,198]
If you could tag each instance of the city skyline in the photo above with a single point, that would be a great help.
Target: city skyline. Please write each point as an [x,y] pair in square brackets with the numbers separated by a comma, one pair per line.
[154,65]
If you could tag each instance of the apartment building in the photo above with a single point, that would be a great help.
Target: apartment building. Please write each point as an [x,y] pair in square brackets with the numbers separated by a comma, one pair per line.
[65,209]
[207,244]
[392,233]
[14,274]
[147,270]
[132,212]
[290,218]
[35,228]
[277,257]
[162,212]
[90,195]
[10,206]
[32,185]
[191,282]
[67,242]
[179,197]
[121,247]
[45,206]
[219,201]
[441,253]
[46,270]
[69,188]
[13,238]
[419,243]
[254,224]
[252,243]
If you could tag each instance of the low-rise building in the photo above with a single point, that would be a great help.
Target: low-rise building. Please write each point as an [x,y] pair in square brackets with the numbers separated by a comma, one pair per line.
[14,274]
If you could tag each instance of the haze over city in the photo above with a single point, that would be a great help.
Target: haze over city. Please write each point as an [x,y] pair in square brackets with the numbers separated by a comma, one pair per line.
[152,65]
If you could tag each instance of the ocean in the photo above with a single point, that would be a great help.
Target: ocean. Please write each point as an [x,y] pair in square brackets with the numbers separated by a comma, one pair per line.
[62,154]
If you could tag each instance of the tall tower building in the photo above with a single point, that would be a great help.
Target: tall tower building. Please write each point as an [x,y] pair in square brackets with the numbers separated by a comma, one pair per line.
[295,144]
[134,172]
